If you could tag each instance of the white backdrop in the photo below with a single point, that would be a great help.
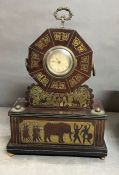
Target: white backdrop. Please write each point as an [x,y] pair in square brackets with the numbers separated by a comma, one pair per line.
[21,22]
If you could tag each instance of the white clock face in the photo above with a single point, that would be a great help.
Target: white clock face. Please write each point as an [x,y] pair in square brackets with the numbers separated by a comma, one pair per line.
[59,61]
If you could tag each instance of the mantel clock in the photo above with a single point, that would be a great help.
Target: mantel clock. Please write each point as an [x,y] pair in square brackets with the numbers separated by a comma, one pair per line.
[58,115]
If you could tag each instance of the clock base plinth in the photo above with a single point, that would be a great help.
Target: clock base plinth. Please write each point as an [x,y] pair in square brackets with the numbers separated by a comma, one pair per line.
[57,150]
[44,131]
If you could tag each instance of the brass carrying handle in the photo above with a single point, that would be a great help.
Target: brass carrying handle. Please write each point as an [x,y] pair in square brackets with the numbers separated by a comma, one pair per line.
[63,18]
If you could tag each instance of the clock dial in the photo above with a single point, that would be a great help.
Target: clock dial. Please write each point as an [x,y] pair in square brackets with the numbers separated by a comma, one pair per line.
[59,61]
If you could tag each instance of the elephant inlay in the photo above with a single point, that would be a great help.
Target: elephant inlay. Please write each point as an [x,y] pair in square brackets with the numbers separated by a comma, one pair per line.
[58,129]
[57,132]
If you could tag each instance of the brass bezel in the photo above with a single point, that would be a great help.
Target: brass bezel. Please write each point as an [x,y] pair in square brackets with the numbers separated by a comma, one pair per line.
[62,75]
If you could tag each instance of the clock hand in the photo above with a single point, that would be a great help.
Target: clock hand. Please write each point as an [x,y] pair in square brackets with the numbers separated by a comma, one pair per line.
[58,60]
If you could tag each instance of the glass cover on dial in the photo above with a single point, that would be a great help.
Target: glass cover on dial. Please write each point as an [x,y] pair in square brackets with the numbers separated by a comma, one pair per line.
[59,61]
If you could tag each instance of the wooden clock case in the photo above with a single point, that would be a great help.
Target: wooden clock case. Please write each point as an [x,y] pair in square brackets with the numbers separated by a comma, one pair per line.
[58,116]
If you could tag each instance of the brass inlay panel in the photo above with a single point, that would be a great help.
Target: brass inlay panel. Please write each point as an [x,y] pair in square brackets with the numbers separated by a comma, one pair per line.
[57,132]
[34,59]
[78,45]
[61,36]
[43,42]
[75,79]
[82,97]
[42,79]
